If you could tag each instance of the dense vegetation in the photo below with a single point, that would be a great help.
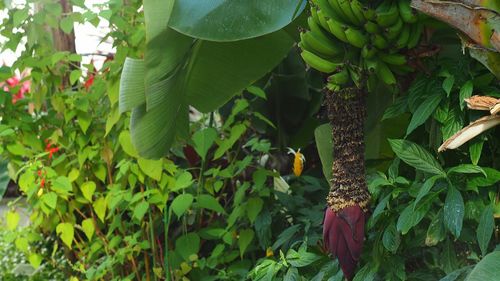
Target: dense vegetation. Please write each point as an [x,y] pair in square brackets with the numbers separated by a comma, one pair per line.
[170,162]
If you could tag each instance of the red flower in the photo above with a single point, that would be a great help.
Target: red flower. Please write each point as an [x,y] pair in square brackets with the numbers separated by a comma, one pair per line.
[42,183]
[89,82]
[51,150]
[13,82]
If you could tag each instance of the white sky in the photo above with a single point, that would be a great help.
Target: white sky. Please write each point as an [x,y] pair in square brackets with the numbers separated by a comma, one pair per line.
[88,38]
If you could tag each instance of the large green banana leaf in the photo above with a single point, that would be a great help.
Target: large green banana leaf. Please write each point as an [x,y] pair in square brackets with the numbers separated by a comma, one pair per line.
[232,20]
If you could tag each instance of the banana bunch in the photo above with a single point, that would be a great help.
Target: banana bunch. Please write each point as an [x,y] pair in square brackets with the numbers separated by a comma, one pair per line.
[351,41]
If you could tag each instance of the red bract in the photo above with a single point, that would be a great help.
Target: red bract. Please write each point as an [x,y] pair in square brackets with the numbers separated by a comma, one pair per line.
[89,82]
[343,234]
[13,82]
[51,150]
[42,183]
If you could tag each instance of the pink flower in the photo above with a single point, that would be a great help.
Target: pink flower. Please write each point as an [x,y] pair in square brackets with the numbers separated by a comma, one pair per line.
[13,82]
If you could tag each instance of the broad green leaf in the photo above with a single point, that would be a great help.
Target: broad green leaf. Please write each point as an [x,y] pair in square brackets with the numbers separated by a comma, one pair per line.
[467,169]
[426,187]
[66,231]
[448,84]
[454,211]
[424,111]
[88,228]
[366,273]
[411,217]
[203,140]
[492,177]
[181,203]
[475,149]
[324,143]
[232,20]
[49,199]
[35,260]
[126,144]
[74,76]
[257,92]
[4,177]
[485,228]
[465,93]
[140,210]
[20,16]
[22,244]
[152,168]
[487,268]
[226,144]
[132,91]
[391,238]
[66,24]
[254,206]
[100,208]
[157,15]
[416,156]
[244,239]
[88,189]
[292,274]
[183,181]
[209,202]
[436,231]
[12,218]
[187,245]
[300,258]
[62,185]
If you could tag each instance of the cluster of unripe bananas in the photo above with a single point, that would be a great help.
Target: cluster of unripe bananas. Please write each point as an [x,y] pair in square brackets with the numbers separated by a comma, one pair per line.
[353,42]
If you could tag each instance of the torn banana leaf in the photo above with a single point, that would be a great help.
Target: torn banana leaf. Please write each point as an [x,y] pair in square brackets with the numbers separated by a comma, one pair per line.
[475,128]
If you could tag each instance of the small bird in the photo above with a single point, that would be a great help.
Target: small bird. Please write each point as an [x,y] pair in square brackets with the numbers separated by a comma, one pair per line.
[298,161]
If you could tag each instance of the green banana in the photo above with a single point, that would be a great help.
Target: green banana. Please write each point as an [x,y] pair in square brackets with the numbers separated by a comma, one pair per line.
[403,38]
[321,33]
[371,27]
[356,37]
[322,19]
[368,51]
[329,11]
[379,41]
[335,5]
[401,69]
[369,14]
[357,10]
[371,65]
[415,33]
[336,28]
[393,31]
[319,63]
[355,77]
[314,15]
[333,87]
[388,17]
[384,73]
[345,5]
[324,47]
[340,78]
[393,59]
[406,12]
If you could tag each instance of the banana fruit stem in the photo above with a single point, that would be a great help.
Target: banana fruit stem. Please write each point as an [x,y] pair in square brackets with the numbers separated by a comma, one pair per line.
[347,113]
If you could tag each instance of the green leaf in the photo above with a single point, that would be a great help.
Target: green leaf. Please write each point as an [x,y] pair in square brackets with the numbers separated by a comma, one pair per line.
[100,208]
[324,143]
[448,84]
[416,156]
[254,206]
[209,202]
[66,25]
[426,187]
[181,203]
[245,238]
[236,132]
[88,189]
[4,177]
[300,258]
[49,199]
[485,228]
[88,228]
[465,93]
[74,76]
[126,144]
[257,92]
[212,74]
[391,238]
[22,244]
[12,218]
[66,231]
[35,260]
[187,245]
[436,231]
[487,268]
[62,186]
[475,150]
[132,85]
[454,211]
[20,16]
[467,169]
[424,111]
[140,210]
[152,168]
[223,20]
[183,181]
[203,140]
